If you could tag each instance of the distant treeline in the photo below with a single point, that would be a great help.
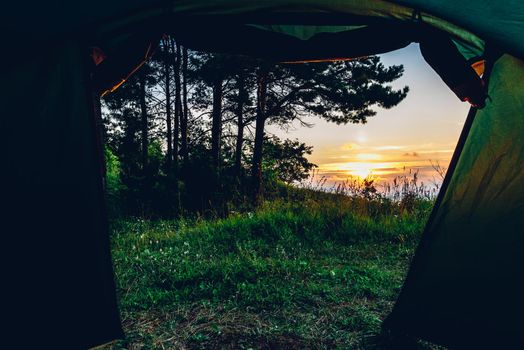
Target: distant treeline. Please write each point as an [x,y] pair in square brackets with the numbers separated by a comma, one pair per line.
[186,132]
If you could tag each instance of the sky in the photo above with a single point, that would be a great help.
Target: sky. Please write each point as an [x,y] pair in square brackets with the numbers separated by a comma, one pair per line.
[423,129]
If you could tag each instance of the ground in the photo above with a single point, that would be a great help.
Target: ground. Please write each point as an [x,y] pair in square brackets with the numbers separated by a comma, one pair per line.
[319,273]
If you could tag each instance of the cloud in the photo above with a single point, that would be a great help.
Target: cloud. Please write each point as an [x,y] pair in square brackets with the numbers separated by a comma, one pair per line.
[411,154]
[438,151]
[341,157]
[351,146]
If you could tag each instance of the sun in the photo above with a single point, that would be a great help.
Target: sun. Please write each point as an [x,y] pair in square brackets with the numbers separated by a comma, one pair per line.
[362,170]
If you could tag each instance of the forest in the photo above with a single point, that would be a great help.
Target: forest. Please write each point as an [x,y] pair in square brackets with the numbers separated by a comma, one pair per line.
[186,134]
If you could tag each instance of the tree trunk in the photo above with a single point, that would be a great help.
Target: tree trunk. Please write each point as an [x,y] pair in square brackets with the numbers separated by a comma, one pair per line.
[184,120]
[216,127]
[167,77]
[240,124]
[144,120]
[178,105]
[256,170]
[176,57]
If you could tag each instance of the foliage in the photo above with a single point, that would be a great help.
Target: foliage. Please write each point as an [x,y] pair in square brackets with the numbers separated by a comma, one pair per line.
[341,92]
[287,160]
[114,186]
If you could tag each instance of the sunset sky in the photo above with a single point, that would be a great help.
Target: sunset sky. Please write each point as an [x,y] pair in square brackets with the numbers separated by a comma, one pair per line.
[424,127]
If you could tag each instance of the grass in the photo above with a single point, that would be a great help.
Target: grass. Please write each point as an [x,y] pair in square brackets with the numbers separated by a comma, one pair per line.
[321,272]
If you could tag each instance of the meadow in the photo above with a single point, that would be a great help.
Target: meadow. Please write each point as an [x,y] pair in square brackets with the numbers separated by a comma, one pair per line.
[307,270]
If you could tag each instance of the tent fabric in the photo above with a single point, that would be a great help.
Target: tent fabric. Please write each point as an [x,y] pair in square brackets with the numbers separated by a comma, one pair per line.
[499,22]
[57,279]
[464,277]
[465,285]
[53,19]
[246,40]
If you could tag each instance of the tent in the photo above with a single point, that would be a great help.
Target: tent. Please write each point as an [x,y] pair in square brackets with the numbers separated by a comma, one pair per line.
[465,286]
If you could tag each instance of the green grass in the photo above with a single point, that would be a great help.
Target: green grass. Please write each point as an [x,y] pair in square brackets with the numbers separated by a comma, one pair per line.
[319,273]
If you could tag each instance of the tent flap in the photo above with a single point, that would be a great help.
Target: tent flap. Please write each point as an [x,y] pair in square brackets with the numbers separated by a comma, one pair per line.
[466,284]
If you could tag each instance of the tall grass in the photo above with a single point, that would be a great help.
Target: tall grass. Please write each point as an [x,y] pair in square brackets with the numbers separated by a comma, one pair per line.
[406,185]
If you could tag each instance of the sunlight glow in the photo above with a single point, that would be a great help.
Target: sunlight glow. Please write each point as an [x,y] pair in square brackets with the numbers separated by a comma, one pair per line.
[361,137]
[389,148]
[363,170]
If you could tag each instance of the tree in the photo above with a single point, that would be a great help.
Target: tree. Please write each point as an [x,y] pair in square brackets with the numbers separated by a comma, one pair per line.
[211,72]
[216,124]
[144,118]
[178,101]
[287,159]
[169,123]
[241,86]
[128,118]
[261,116]
[185,114]
[242,101]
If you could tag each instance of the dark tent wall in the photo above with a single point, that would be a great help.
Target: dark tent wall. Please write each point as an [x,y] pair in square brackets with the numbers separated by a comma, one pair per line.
[57,273]
[466,283]
[57,280]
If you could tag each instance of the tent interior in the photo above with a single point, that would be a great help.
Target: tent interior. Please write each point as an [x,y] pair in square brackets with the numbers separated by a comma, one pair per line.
[464,287]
